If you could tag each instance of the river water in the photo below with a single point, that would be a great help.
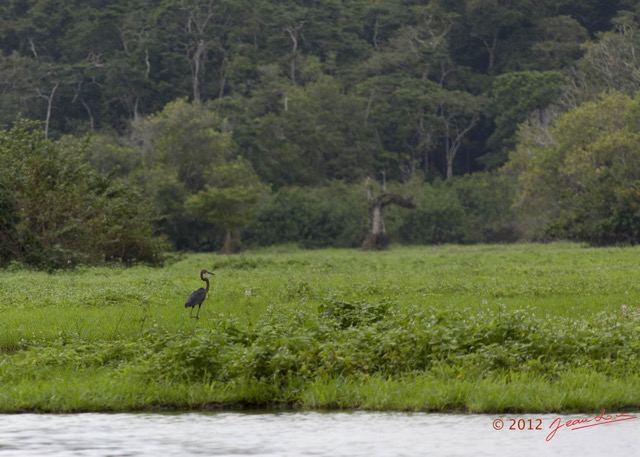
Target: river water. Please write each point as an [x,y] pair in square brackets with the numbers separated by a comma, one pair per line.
[316,434]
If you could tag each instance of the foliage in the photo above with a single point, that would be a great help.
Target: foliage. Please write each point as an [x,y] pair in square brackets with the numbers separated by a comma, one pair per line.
[410,328]
[58,212]
[486,199]
[230,201]
[339,65]
[470,209]
[584,184]
[438,218]
[349,339]
[609,64]
[516,96]
[314,93]
[198,183]
[312,217]
[320,134]
[560,44]
[186,137]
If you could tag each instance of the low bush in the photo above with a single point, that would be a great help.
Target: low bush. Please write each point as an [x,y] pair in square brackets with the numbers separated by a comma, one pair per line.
[354,339]
[420,328]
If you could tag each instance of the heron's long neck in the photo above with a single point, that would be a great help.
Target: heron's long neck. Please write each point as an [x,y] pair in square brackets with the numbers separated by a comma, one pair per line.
[207,281]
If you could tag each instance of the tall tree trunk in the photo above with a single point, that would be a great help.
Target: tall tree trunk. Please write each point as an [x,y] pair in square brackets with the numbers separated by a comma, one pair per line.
[455,131]
[293,34]
[377,237]
[49,99]
[231,242]
[490,47]
[377,222]
[198,70]
[223,76]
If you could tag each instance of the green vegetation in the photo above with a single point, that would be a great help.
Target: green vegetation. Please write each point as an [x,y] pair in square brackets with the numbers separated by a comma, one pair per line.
[486,328]
[57,212]
[199,125]
[585,183]
[226,114]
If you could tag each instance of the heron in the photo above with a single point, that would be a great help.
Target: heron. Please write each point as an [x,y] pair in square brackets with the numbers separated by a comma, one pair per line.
[198,296]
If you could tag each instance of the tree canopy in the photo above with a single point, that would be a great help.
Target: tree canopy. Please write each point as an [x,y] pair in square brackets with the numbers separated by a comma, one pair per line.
[584,183]
[336,72]
[206,106]
[57,212]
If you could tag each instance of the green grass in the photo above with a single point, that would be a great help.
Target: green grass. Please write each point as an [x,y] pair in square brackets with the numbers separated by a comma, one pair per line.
[490,328]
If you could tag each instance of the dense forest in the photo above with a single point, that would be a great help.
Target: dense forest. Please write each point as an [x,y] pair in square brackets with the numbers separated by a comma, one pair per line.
[134,125]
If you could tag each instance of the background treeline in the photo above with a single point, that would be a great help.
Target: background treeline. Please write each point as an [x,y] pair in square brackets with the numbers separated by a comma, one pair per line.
[208,121]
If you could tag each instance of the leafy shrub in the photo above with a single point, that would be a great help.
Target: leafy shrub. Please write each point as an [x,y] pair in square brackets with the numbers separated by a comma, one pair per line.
[352,314]
[354,339]
[487,199]
[470,209]
[287,349]
[439,217]
[580,180]
[60,213]
[333,216]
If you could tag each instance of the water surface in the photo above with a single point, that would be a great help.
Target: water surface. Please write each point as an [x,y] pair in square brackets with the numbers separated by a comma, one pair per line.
[307,434]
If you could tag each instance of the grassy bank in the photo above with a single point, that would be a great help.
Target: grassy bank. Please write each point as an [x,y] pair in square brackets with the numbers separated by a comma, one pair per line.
[526,328]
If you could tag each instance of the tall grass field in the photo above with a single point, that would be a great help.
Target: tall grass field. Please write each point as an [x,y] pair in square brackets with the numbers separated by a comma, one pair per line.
[493,328]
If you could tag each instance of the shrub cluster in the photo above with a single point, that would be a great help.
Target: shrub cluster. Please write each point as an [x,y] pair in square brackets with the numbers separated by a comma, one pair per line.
[56,211]
[470,209]
[580,179]
[332,216]
[347,339]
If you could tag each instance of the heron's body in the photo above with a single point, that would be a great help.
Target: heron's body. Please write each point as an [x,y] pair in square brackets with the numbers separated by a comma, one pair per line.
[197,297]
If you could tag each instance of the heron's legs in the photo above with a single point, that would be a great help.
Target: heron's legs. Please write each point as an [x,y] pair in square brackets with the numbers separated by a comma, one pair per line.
[197,316]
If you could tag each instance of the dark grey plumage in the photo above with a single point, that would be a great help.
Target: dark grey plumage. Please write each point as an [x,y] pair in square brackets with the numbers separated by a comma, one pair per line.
[197,297]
